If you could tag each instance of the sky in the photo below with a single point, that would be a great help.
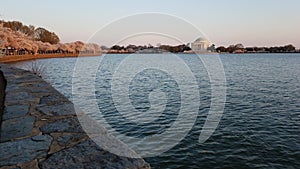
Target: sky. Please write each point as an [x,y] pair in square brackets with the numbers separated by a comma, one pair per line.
[223,22]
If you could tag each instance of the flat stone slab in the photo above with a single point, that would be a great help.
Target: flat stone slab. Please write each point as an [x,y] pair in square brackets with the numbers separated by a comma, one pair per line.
[19,96]
[69,125]
[57,109]
[87,154]
[25,76]
[17,127]
[12,87]
[54,98]
[16,98]
[41,87]
[15,111]
[66,140]
[25,150]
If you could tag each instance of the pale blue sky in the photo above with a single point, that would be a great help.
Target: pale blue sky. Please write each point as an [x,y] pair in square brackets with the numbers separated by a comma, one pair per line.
[225,22]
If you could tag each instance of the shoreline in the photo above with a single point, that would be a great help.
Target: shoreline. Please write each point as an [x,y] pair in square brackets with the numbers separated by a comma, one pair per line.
[18,58]
[41,128]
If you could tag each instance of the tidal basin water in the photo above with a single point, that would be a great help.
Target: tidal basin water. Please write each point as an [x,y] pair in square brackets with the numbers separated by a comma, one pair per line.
[260,126]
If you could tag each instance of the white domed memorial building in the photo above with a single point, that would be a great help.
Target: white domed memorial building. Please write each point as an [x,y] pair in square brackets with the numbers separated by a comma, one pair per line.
[201,45]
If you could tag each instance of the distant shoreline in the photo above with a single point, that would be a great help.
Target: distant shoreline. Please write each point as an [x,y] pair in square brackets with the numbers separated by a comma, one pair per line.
[19,58]
[201,53]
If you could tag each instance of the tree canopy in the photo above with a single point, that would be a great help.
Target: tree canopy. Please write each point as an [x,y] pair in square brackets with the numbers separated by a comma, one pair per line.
[39,34]
[42,34]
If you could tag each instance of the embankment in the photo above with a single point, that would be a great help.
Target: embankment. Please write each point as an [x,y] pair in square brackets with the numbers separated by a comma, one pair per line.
[17,58]
[41,129]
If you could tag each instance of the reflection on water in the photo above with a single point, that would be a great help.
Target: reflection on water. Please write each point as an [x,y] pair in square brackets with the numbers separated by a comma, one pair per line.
[260,127]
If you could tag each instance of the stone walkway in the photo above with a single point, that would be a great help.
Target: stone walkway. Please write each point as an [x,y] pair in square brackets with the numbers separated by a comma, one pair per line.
[40,129]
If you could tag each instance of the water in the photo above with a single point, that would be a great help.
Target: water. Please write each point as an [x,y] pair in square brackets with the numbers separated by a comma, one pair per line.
[260,126]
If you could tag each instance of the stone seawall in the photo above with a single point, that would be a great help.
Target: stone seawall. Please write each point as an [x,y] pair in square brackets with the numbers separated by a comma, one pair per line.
[40,129]
[2,95]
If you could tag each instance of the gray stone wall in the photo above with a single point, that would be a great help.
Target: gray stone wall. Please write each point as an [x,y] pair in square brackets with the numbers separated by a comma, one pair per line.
[41,130]
[2,95]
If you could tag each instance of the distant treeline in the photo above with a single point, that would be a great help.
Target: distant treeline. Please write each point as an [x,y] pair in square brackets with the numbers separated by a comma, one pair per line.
[239,48]
[185,48]
[136,48]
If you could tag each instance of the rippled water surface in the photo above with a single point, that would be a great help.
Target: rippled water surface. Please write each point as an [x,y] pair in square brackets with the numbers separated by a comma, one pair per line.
[260,126]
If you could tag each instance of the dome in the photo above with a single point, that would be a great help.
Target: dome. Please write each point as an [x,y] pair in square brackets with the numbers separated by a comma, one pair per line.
[200,40]
[200,45]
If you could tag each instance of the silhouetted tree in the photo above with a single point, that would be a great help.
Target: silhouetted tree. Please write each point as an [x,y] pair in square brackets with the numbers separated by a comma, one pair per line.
[212,48]
[289,48]
[231,49]
[221,49]
[117,47]
[239,46]
[175,49]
